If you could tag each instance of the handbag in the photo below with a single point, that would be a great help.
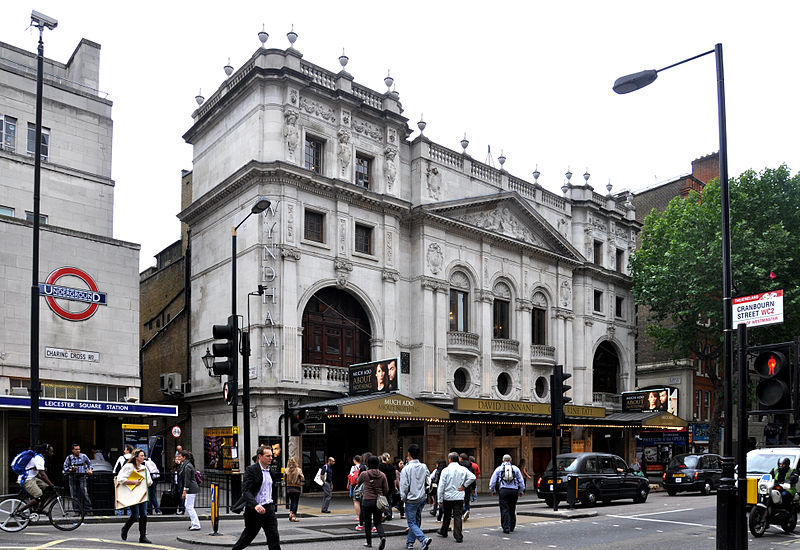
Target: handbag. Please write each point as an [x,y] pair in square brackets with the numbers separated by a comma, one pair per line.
[358,492]
[383,504]
[318,478]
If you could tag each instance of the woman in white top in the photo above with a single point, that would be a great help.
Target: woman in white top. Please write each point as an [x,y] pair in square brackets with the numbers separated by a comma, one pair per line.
[133,474]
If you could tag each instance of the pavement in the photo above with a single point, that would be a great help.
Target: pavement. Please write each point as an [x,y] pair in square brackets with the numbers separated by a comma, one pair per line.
[315,526]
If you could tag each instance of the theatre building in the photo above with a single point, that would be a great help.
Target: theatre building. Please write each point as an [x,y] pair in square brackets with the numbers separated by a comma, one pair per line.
[382,245]
[88,280]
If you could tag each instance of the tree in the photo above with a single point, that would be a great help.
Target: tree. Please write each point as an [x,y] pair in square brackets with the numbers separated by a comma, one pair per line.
[677,271]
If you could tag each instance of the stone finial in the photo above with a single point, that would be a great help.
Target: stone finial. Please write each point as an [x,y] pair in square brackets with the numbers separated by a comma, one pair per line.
[343,59]
[263,36]
[421,124]
[228,68]
[199,97]
[465,143]
[292,36]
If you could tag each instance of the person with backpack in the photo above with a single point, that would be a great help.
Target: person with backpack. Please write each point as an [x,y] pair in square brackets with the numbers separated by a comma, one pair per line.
[432,500]
[29,466]
[189,478]
[469,465]
[507,481]
[154,474]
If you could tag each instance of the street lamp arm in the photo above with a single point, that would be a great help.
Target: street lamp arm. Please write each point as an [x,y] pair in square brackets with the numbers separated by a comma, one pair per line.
[632,82]
[709,52]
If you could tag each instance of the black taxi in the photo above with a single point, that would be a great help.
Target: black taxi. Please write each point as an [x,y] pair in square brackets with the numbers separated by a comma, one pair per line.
[692,472]
[601,477]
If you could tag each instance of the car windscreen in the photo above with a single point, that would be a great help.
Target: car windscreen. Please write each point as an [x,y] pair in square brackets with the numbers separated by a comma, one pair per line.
[681,462]
[565,464]
[764,463]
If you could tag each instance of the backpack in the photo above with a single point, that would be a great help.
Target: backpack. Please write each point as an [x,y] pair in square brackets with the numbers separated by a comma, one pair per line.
[352,478]
[508,473]
[20,461]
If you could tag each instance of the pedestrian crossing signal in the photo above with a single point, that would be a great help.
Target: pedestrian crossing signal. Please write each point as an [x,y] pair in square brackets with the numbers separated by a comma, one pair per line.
[775,380]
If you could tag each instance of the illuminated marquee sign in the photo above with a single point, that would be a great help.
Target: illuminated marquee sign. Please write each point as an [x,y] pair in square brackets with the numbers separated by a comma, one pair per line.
[53,292]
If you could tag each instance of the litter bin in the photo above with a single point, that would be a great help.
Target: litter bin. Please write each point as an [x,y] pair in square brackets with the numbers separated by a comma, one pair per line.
[101,492]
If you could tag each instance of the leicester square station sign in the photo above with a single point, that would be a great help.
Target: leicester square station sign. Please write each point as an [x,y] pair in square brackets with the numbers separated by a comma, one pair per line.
[54,292]
[758,309]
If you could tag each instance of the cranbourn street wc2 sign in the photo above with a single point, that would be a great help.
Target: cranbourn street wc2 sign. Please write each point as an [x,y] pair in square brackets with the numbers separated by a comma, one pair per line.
[55,294]
[758,309]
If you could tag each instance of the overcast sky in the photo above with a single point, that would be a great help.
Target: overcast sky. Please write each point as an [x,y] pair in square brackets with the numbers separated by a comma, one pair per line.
[531,79]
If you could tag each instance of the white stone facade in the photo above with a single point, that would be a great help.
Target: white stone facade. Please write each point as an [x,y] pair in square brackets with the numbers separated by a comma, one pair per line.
[439,220]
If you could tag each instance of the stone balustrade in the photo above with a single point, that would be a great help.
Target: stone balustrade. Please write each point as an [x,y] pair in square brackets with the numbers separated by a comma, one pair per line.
[505,350]
[543,354]
[463,343]
[327,376]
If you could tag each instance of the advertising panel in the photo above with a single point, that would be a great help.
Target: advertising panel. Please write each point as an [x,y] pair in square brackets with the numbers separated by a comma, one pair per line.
[657,399]
[220,449]
[374,377]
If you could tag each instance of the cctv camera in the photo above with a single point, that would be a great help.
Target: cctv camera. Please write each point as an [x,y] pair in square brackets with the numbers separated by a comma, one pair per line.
[41,20]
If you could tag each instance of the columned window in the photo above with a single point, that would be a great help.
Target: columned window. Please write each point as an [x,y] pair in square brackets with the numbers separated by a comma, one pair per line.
[501,317]
[459,302]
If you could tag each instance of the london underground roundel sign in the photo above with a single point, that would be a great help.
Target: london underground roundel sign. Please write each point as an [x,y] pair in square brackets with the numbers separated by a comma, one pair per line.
[53,292]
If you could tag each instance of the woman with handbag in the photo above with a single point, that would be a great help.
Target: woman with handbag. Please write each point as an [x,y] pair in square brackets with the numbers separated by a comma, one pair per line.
[374,503]
[129,481]
[294,485]
[188,475]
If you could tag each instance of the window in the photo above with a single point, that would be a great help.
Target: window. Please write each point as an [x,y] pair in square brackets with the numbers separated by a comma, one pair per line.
[29,217]
[6,210]
[504,383]
[363,239]
[363,165]
[598,301]
[697,406]
[313,158]
[707,403]
[539,335]
[618,309]
[314,222]
[32,141]
[500,319]
[598,252]
[461,379]
[458,311]
[8,133]
[620,260]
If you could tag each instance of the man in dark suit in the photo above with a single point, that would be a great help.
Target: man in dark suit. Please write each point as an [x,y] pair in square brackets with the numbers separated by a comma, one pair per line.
[256,501]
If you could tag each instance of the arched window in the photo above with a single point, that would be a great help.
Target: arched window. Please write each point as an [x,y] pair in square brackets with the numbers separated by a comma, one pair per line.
[336,330]
[605,368]
[539,320]
[459,302]
[501,316]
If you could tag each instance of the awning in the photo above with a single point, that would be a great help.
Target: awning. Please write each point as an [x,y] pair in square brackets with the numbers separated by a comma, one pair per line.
[98,407]
[648,419]
[394,405]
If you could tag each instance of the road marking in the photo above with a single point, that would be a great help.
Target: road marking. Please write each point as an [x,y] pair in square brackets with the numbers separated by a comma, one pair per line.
[664,512]
[663,521]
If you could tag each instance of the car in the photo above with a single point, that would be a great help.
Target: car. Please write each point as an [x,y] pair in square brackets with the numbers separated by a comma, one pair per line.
[762,461]
[692,472]
[601,477]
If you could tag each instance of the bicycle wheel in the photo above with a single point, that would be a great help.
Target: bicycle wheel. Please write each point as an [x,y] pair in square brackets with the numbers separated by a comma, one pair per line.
[10,520]
[65,513]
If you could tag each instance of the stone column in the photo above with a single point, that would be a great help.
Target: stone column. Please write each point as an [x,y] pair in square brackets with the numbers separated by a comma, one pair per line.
[524,308]
[485,323]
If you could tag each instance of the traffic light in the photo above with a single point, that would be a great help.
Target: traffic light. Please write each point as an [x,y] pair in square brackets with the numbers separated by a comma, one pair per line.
[774,389]
[297,421]
[557,391]
[229,350]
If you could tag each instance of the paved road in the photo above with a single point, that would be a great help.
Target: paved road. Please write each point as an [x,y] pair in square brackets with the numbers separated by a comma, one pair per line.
[685,522]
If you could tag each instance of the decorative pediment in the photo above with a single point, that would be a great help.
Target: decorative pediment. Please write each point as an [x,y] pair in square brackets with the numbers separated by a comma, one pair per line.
[502,221]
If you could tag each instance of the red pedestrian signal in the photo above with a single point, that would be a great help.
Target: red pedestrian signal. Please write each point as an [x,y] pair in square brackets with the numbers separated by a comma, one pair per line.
[775,380]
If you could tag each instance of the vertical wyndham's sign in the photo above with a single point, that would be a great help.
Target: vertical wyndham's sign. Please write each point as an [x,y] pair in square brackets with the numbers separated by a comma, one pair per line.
[53,292]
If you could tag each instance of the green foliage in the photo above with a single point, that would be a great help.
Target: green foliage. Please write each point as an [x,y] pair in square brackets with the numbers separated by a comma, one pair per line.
[677,271]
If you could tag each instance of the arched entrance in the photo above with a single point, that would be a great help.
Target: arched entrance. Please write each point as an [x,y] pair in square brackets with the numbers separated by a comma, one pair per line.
[605,368]
[336,329]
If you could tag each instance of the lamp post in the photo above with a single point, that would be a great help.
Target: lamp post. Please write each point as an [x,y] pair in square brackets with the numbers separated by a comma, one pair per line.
[40,21]
[727,524]
[260,205]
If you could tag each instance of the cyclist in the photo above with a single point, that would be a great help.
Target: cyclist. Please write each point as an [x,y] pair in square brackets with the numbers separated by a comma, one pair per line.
[35,480]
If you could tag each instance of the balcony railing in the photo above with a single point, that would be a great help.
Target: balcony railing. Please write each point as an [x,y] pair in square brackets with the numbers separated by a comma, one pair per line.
[326,376]
[607,400]
[463,343]
[505,350]
[543,354]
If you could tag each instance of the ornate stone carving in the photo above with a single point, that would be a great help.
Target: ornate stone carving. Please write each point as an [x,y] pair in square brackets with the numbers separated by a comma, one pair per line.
[389,248]
[501,290]
[289,253]
[318,109]
[293,97]
[539,299]
[611,330]
[391,275]
[346,118]
[501,221]
[390,166]
[345,151]
[598,223]
[485,296]
[435,258]
[365,128]
[565,294]
[290,222]
[290,131]
[391,136]
[342,236]
[436,285]
[434,179]
[459,280]
[343,269]
[524,305]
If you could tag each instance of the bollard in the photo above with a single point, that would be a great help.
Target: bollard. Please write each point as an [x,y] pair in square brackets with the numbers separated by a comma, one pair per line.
[726,506]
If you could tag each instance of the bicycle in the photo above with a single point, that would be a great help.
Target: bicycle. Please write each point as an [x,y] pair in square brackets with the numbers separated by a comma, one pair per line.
[64,512]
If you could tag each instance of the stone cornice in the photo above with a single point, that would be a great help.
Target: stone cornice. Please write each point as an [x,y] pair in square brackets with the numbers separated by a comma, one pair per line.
[437,285]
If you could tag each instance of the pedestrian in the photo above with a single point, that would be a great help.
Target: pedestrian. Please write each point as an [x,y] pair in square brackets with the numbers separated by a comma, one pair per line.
[468,464]
[97,454]
[178,450]
[413,493]
[177,484]
[452,483]
[477,471]
[76,467]
[327,485]
[508,482]
[432,500]
[188,475]
[352,478]
[387,467]
[131,475]
[398,466]
[126,455]
[154,474]
[294,486]
[375,485]
[256,501]
[523,468]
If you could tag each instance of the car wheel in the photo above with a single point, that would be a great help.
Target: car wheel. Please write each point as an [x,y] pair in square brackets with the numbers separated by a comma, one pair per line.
[548,501]
[706,490]
[641,494]
[591,498]
[758,521]
[672,492]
